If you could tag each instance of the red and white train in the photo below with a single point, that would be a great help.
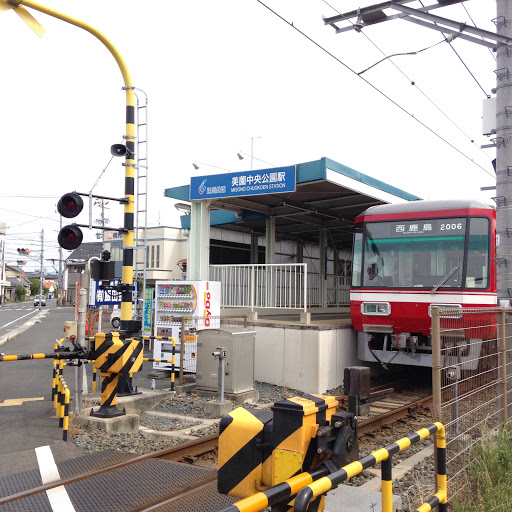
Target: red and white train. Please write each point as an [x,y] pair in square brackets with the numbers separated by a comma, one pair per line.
[408,257]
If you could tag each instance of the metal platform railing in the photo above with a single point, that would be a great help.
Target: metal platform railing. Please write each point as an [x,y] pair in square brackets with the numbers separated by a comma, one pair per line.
[279,286]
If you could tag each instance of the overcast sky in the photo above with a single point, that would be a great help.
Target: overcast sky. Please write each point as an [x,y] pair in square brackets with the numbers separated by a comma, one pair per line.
[220,73]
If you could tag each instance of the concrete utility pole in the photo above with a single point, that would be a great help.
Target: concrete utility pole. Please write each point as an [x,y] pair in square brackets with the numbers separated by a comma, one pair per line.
[41,272]
[501,43]
[503,142]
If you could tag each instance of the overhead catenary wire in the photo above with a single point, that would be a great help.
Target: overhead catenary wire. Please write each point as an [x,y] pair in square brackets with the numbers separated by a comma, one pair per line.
[462,60]
[414,82]
[474,24]
[394,102]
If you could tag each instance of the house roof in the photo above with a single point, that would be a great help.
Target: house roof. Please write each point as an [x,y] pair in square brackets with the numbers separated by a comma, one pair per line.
[84,252]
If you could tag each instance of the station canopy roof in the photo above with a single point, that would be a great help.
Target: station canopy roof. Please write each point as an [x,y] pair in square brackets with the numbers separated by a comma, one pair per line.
[328,195]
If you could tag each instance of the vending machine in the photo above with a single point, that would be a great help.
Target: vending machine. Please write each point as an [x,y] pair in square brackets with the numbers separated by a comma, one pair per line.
[196,305]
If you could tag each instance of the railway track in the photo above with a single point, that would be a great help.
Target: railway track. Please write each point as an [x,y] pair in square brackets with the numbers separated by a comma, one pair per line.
[383,412]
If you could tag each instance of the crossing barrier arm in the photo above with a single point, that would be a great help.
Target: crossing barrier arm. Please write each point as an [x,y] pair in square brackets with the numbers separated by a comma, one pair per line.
[52,355]
[326,483]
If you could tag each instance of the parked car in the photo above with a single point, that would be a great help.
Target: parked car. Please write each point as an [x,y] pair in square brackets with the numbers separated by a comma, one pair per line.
[39,299]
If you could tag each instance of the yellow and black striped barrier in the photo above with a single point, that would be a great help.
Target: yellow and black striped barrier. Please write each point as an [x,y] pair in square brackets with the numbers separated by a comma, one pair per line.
[61,402]
[326,483]
[172,361]
[53,355]
[261,452]
[312,485]
[113,357]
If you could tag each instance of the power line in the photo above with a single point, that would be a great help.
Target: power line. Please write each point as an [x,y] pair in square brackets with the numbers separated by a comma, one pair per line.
[413,83]
[373,86]
[462,60]
[474,24]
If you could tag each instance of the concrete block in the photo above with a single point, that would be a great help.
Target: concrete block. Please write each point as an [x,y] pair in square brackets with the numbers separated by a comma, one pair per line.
[217,409]
[135,404]
[125,423]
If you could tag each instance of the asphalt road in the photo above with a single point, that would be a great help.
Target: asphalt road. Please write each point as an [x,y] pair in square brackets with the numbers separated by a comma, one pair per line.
[27,415]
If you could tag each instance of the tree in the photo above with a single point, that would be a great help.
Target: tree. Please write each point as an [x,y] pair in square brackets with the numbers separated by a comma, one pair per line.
[34,286]
[20,292]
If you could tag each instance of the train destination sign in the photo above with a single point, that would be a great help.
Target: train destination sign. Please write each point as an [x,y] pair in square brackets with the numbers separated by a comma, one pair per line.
[417,228]
[247,183]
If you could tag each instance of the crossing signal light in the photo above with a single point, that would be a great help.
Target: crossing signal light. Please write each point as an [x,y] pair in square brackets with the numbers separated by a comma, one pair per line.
[70,205]
[70,237]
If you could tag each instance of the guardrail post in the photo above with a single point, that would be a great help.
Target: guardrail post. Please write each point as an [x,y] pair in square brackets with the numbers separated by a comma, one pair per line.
[441,480]
[65,423]
[387,484]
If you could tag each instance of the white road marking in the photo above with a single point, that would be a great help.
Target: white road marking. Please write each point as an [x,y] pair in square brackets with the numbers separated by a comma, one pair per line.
[58,496]
[5,325]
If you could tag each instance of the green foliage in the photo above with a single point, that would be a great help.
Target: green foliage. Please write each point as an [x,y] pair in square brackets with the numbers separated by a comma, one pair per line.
[489,481]
[34,286]
[20,292]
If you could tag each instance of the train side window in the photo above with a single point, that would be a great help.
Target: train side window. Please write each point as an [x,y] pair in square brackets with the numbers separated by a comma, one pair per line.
[477,272]
[358,259]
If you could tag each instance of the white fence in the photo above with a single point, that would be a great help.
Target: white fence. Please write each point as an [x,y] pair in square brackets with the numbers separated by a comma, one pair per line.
[278,286]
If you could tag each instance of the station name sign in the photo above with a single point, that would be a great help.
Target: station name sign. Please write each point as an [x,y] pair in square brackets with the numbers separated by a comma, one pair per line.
[248,183]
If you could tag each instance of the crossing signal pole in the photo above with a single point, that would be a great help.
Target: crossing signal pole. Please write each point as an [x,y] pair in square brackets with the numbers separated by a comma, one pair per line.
[123,355]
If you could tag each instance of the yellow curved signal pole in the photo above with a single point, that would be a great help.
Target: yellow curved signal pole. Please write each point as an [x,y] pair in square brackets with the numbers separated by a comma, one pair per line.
[128,238]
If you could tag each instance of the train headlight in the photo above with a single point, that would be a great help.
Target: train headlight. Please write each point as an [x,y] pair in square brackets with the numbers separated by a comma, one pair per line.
[376,308]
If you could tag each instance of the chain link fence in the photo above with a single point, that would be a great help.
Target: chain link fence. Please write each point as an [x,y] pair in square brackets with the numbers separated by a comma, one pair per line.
[471,377]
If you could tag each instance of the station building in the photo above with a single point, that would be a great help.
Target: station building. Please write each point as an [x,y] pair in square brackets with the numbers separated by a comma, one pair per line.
[280,242]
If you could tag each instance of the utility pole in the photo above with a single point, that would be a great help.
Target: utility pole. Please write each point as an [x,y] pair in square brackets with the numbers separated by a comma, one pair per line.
[500,42]
[503,143]
[41,273]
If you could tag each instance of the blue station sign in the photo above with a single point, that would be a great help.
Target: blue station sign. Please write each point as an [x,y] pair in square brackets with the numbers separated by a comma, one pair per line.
[247,183]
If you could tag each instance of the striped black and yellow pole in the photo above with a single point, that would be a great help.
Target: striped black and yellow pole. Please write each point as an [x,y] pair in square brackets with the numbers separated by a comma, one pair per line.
[326,483]
[128,238]
[261,500]
[171,361]
[52,355]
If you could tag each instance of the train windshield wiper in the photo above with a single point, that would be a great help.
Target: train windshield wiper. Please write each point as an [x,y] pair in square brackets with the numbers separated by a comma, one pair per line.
[445,278]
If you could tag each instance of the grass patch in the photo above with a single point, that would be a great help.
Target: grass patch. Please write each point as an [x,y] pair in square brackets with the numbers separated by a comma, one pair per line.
[489,480]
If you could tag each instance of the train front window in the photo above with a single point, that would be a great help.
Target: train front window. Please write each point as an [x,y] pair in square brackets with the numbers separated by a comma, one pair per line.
[414,254]
[478,254]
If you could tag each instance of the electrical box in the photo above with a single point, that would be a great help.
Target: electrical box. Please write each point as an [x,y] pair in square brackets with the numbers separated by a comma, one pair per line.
[70,329]
[489,116]
[239,362]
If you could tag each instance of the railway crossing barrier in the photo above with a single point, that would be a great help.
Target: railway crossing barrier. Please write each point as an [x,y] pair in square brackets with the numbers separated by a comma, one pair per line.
[312,485]
[61,402]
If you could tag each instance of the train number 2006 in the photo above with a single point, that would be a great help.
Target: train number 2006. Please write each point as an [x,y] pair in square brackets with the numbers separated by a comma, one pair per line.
[451,227]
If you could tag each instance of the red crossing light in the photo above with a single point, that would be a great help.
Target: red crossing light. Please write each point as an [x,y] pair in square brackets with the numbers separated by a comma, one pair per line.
[70,237]
[70,205]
